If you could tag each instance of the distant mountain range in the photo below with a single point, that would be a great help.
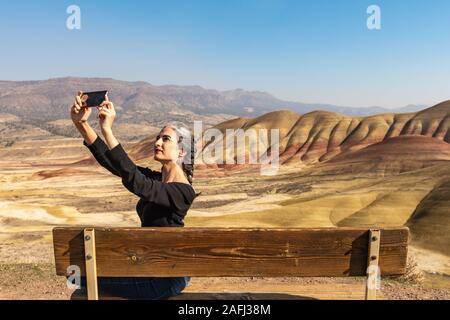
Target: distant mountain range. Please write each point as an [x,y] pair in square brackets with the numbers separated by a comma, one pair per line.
[49,100]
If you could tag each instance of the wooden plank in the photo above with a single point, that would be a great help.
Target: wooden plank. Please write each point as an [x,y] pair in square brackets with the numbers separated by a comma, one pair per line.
[257,290]
[162,252]
[372,264]
[91,263]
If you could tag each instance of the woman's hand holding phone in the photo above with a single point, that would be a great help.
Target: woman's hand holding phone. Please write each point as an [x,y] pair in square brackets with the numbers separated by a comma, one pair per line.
[78,113]
[106,114]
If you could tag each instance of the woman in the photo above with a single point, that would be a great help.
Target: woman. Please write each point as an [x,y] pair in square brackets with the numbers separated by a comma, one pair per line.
[165,197]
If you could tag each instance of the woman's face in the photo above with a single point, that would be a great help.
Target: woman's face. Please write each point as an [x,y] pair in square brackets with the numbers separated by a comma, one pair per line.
[166,146]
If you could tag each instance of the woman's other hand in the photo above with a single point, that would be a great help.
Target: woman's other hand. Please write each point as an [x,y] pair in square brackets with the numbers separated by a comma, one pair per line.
[78,113]
[106,114]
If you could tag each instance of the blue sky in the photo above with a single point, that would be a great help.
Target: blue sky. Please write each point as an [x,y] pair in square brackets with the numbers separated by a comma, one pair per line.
[310,51]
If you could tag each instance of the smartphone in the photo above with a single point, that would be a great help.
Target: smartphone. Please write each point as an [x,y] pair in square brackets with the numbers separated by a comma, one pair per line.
[93,99]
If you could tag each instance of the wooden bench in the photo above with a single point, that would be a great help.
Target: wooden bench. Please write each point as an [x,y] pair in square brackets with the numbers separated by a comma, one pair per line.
[230,252]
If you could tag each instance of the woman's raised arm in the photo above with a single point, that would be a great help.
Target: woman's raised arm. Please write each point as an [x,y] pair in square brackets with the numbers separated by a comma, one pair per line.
[92,141]
[87,132]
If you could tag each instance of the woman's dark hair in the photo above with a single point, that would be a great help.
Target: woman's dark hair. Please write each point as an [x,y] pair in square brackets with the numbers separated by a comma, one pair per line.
[187,141]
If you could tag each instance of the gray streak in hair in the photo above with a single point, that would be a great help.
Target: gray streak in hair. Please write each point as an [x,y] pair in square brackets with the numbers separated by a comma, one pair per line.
[185,141]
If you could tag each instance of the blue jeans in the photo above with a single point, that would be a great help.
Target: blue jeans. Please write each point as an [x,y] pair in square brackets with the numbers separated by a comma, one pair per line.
[140,288]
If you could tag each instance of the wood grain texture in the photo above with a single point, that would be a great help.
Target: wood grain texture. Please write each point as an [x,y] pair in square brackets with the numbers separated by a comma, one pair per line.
[91,263]
[203,252]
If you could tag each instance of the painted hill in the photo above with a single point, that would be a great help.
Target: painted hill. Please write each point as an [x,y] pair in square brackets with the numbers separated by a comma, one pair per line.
[431,220]
[319,137]
[393,156]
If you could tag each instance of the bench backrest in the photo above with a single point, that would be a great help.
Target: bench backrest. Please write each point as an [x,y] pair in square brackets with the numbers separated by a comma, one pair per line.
[202,252]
